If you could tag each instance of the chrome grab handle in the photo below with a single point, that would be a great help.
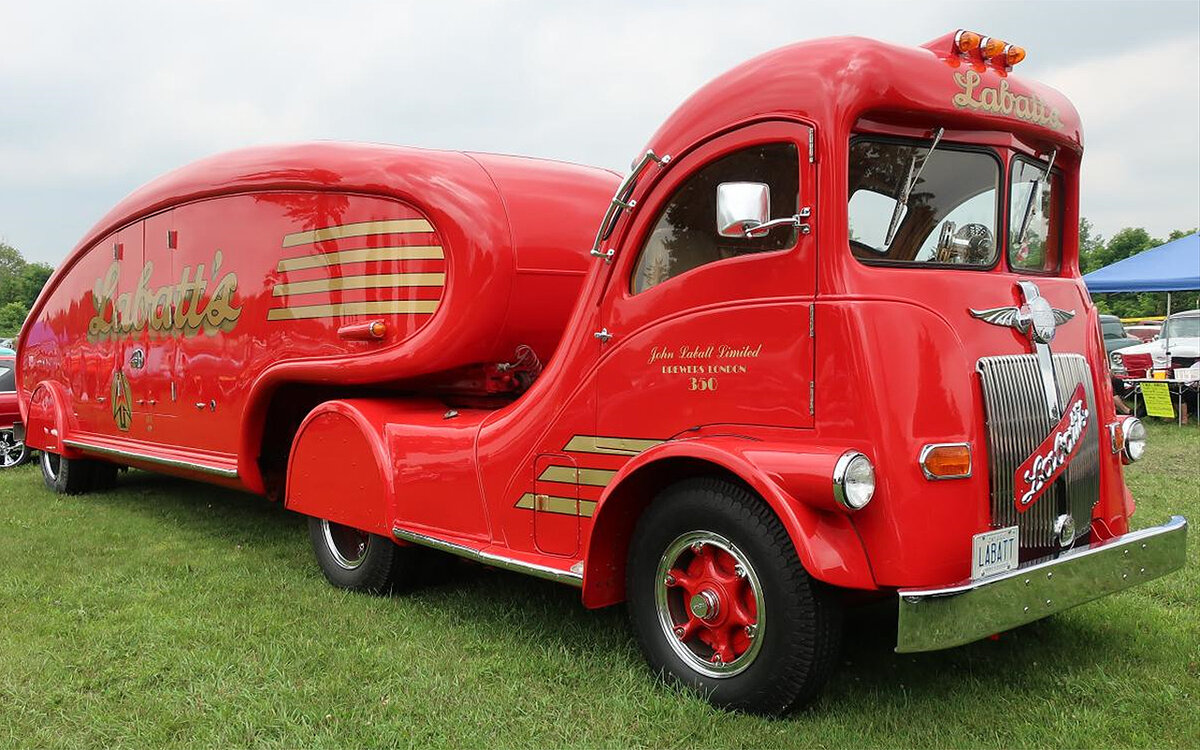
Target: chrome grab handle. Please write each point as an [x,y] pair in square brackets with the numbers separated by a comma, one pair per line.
[200,404]
[621,200]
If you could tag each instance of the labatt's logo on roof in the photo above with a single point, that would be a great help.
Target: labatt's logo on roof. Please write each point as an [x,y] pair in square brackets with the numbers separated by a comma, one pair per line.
[1000,100]
[199,302]
[1037,473]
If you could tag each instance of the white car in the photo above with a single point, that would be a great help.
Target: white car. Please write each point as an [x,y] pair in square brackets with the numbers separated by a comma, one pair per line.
[1177,346]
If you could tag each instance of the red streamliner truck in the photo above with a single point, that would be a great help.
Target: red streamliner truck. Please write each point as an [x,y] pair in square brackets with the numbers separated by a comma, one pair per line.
[830,341]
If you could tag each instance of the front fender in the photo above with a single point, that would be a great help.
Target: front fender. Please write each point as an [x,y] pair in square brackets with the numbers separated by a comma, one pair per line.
[793,480]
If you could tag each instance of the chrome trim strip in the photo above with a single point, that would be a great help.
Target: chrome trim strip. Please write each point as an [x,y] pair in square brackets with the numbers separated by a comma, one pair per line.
[937,618]
[496,561]
[135,456]
[936,478]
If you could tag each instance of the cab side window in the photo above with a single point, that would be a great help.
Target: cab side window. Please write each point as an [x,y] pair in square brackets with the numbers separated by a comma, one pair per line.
[685,235]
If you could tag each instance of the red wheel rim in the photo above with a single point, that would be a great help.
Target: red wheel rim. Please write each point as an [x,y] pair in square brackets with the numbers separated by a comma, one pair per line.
[709,603]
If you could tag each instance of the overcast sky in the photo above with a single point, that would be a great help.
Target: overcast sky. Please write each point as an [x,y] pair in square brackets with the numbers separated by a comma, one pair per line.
[99,98]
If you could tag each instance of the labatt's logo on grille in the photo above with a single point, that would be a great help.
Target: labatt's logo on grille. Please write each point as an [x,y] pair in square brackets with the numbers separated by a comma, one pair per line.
[1000,100]
[1037,473]
[195,304]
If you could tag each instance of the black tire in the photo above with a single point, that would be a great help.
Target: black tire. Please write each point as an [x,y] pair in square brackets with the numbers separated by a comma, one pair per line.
[359,561]
[13,452]
[68,476]
[796,622]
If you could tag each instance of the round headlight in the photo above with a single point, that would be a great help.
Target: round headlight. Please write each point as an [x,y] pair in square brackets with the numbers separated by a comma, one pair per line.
[853,480]
[1117,359]
[1135,439]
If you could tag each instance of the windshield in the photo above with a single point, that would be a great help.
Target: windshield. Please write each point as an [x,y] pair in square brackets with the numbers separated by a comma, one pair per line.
[1039,249]
[1178,328]
[951,215]
[1112,329]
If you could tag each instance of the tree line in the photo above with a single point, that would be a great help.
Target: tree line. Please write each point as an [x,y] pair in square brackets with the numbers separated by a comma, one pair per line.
[20,284]
[22,281]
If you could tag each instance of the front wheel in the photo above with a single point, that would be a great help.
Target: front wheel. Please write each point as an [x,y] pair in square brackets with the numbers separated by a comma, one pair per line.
[720,602]
[13,452]
[357,560]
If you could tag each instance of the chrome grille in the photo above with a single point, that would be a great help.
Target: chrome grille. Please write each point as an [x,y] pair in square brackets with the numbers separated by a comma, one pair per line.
[1017,423]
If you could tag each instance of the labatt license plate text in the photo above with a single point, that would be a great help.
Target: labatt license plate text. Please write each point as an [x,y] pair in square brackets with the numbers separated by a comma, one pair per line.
[994,552]
[1049,461]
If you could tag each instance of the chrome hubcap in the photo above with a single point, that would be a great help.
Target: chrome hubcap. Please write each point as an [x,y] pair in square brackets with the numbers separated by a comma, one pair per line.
[11,451]
[347,546]
[50,464]
[709,604]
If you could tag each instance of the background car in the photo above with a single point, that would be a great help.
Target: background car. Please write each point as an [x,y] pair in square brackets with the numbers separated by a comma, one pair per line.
[1145,330]
[1114,334]
[1177,346]
[12,451]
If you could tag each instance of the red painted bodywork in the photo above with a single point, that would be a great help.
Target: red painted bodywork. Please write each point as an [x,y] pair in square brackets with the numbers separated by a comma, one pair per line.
[396,434]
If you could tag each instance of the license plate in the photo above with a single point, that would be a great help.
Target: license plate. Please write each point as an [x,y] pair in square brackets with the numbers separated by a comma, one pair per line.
[993,552]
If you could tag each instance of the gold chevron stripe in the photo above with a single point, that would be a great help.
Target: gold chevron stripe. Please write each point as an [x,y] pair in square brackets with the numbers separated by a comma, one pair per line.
[561,505]
[613,446]
[364,255]
[359,229]
[571,475]
[392,307]
[383,280]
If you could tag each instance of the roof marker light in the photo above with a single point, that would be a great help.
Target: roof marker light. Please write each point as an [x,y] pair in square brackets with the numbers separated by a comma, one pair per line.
[967,42]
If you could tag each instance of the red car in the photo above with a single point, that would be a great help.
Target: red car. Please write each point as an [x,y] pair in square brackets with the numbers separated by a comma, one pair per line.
[12,451]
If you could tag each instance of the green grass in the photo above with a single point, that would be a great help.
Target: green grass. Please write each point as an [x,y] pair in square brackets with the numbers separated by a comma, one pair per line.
[173,614]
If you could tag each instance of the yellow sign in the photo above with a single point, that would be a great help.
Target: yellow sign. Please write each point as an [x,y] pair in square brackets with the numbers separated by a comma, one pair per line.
[1157,397]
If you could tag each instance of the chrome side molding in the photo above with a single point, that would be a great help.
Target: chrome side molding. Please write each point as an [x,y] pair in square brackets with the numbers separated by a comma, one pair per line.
[571,577]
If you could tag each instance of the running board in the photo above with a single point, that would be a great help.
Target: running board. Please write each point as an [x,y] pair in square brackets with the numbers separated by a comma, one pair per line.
[570,577]
[176,463]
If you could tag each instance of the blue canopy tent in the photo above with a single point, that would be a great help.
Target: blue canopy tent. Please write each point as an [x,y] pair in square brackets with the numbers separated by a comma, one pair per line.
[1173,267]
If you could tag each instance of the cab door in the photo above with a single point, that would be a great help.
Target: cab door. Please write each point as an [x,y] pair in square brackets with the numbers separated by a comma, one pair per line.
[700,328]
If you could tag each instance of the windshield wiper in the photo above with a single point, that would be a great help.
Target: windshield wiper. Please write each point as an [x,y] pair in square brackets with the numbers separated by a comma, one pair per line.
[1033,189]
[914,174]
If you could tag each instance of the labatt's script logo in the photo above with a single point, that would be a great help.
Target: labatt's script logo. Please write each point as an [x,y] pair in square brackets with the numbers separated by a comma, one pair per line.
[999,100]
[199,302]
[1038,472]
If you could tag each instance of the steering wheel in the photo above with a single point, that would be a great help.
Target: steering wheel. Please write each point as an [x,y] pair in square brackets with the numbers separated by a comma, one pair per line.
[971,244]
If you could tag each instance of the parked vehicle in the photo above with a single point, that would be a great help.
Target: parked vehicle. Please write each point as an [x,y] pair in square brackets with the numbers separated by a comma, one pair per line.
[1176,347]
[1114,334]
[12,451]
[699,417]
[1144,331]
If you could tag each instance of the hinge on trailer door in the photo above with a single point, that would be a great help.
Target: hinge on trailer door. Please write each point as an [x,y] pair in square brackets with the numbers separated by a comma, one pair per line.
[812,397]
[812,323]
[812,146]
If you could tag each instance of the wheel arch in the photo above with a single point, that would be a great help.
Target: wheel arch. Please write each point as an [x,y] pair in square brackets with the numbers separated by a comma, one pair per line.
[825,541]
[47,419]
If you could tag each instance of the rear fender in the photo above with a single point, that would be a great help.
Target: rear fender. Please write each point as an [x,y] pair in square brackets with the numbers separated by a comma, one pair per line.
[796,483]
[47,419]
[337,468]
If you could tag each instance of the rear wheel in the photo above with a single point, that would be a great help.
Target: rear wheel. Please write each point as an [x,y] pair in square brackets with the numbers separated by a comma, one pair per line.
[720,602]
[357,560]
[72,476]
[13,452]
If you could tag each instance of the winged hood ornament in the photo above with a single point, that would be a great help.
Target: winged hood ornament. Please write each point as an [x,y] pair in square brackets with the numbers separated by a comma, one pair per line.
[1036,316]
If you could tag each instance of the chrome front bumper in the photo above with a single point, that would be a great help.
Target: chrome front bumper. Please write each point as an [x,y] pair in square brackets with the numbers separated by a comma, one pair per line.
[932,619]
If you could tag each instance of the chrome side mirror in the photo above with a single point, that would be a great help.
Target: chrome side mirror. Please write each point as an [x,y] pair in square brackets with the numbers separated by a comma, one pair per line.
[744,210]
[742,207]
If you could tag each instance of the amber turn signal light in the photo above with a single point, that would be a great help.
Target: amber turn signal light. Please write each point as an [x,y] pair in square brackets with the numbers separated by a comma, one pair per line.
[946,460]
[1013,54]
[967,42]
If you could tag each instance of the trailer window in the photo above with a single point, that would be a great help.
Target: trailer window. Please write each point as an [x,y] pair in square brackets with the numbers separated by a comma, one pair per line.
[1040,249]
[951,217]
[685,235]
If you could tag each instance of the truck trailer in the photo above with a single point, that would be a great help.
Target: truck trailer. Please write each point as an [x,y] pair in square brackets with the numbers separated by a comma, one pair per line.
[826,341]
